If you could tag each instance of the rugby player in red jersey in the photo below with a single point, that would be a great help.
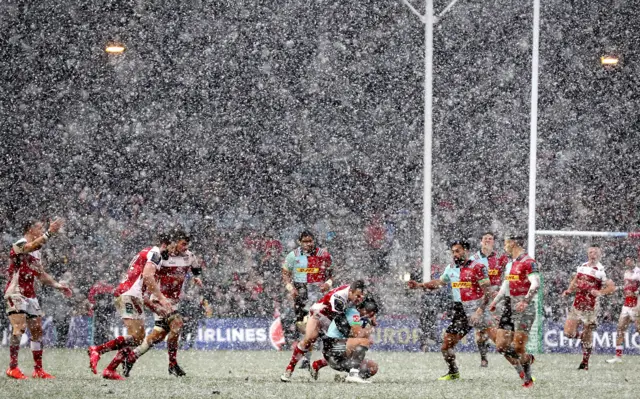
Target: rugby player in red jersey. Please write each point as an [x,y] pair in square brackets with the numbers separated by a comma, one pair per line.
[518,291]
[630,310]
[22,306]
[321,315]
[469,283]
[495,267]
[171,277]
[589,283]
[307,275]
[140,277]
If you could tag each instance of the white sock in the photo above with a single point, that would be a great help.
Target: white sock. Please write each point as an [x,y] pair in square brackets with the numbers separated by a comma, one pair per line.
[142,348]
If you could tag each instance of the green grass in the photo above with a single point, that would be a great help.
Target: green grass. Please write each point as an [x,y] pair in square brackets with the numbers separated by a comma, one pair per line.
[256,374]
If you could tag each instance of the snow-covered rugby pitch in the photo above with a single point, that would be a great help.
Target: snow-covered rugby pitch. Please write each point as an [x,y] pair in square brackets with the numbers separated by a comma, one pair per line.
[256,374]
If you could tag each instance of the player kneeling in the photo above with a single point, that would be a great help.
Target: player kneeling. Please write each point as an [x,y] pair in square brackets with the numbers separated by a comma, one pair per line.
[346,343]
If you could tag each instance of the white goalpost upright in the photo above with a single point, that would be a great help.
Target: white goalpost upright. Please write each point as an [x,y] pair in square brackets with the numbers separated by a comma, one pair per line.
[429,21]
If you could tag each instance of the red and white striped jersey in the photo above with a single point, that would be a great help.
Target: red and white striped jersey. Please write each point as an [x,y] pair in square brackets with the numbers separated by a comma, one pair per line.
[172,273]
[24,268]
[333,302]
[132,283]
[631,286]
[588,278]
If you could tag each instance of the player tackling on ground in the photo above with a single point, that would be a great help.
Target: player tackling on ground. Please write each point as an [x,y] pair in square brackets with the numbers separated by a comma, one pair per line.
[22,304]
[630,308]
[518,291]
[321,315]
[470,293]
[589,283]
[345,345]
[129,303]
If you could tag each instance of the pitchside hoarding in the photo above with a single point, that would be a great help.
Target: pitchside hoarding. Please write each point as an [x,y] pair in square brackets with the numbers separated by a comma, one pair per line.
[392,334]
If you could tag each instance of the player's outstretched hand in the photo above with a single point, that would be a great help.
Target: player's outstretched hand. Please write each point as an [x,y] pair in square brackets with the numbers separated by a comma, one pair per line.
[492,307]
[325,287]
[66,291]
[56,224]
[197,281]
[413,284]
[566,292]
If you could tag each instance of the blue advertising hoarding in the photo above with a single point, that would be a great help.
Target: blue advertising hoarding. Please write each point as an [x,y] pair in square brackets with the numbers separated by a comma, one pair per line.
[394,333]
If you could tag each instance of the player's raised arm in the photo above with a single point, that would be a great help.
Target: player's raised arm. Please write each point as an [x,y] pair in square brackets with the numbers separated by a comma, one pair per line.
[36,244]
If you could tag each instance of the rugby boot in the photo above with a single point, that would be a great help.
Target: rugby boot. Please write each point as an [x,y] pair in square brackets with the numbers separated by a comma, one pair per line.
[286,377]
[176,370]
[354,377]
[314,372]
[16,374]
[109,374]
[40,373]
[128,361]
[450,376]
[583,366]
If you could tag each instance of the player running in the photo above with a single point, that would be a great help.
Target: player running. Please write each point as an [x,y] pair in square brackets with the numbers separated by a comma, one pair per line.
[140,277]
[630,309]
[321,314]
[469,281]
[589,283]
[346,343]
[171,276]
[22,306]
[306,273]
[518,292]
[495,267]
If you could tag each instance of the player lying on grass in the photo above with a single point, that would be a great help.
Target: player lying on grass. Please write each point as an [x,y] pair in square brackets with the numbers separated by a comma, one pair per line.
[346,342]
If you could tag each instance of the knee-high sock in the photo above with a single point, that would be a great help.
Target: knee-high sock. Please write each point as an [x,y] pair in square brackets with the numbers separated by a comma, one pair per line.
[297,354]
[450,358]
[483,348]
[36,350]
[358,355]
[172,348]
[115,344]
[142,348]
[14,348]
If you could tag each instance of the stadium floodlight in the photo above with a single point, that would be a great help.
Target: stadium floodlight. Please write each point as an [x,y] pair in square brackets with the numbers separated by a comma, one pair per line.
[114,49]
[611,60]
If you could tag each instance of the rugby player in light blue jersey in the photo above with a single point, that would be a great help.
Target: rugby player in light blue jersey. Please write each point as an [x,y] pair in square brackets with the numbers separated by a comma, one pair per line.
[346,343]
